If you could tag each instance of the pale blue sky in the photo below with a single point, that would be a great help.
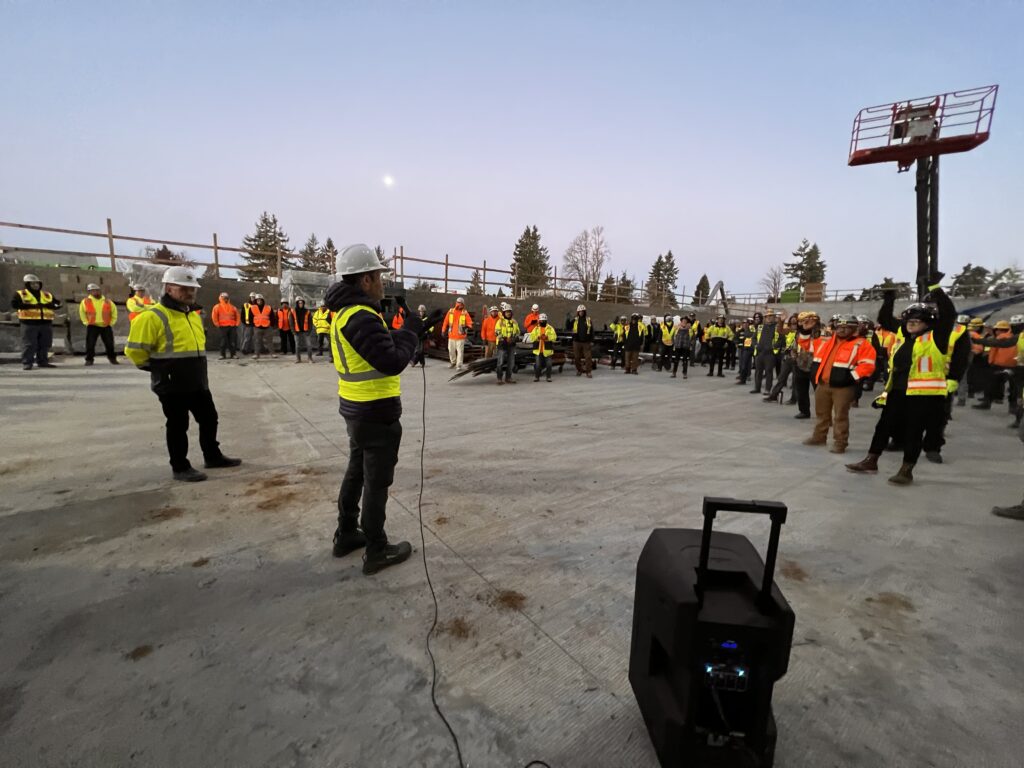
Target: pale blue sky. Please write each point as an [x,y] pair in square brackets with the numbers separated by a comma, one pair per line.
[718,129]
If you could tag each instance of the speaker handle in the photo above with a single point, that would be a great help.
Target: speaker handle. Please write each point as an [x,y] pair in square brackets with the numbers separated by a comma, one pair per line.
[776,510]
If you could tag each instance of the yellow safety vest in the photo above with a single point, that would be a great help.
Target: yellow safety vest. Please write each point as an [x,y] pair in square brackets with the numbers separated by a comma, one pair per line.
[927,366]
[550,337]
[40,312]
[668,333]
[1020,348]
[506,329]
[958,331]
[358,381]
[719,332]
[162,333]
[576,322]
[757,340]
[322,320]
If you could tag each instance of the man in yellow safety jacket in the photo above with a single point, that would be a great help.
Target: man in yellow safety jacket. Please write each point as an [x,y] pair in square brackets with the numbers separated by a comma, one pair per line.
[322,327]
[35,308]
[369,358]
[543,337]
[168,341]
[507,332]
[138,302]
[98,314]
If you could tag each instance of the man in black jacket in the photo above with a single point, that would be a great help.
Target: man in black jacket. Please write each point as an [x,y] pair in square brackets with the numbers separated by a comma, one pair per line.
[369,357]
[35,308]
[582,342]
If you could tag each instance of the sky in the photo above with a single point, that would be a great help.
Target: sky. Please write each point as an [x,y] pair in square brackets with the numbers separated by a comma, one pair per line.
[719,130]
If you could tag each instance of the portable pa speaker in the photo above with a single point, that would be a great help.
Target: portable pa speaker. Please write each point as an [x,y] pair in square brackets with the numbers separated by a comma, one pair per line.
[709,642]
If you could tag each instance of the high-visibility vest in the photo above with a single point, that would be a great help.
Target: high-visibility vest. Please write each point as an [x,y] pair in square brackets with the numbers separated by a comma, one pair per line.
[542,337]
[295,321]
[457,322]
[162,333]
[260,317]
[719,332]
[695,329]
[954,336]
[322,320]
[668,333]
[245,311]
[137,304]
[576,325]
[399,319]
[846,356]
[87,312]
[1002,357]
[224,315]
[927,366]
[39,312]
[284,319]
[506,329]
[358,381]
[1020,348]
[487,329]
[977,349]
[757,339]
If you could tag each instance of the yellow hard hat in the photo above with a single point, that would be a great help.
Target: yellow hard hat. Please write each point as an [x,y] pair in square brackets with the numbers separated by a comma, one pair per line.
[1002,325]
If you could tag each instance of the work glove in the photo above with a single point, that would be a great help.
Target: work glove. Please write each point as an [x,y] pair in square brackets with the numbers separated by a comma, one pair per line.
[952,386]
[400,303]
[433,319]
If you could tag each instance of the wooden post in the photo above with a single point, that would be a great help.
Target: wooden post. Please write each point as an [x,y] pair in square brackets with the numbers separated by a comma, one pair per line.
[279,266]
[446,273]
[216,257]
[401,256]
[485,277]
[555,280]
[110,245]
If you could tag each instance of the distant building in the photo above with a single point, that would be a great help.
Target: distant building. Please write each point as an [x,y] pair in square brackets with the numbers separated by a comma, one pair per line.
[45,259]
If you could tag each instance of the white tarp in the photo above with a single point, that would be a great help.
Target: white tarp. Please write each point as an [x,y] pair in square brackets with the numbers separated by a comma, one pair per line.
[311,286]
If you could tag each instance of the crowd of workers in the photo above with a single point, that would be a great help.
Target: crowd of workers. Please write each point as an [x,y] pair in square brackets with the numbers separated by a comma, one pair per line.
[928,360]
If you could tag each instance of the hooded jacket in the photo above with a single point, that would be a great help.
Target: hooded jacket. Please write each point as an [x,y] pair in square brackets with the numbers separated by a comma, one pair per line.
[387,350]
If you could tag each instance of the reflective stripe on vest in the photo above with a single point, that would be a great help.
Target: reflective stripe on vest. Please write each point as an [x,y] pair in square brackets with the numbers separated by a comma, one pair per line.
[38,312]
[322,320]
[89,304]
[260,317]
[359,381]
[668,333]
[189,341]
[135,305]
[927,367]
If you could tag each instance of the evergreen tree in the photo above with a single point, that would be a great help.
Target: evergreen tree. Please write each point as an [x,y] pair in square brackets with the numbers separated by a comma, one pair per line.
[309,256]
[700,293]
[530,266]
[327,257]
[670,277]
[262,247]
[164,255]
[903,290]
[662,280]
[609,290]
[625,289]
[475,286]
[655,280]
[808,267]
[972,281]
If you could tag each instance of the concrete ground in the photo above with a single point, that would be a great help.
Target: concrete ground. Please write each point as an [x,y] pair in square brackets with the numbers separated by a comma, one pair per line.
[149,623]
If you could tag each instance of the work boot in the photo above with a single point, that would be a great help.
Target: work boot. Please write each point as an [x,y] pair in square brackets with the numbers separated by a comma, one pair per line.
[837,449]
[589,376]
[346,542]
[47,364]
[984,405]
[114,361]
[218,462]
[1016,512]
[755,392]
[510,381]
[536,378]
[500,382]
[190,475]
[905,475]
[867,465]
[672,376]
[390,554]
[815,441]
[933,456]
[721,375]
[26,367]
[802,416]
[547,379]
[579,373]
[89,362]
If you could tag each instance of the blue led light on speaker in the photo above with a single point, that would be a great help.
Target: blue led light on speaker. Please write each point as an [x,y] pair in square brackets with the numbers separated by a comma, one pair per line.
[730,644]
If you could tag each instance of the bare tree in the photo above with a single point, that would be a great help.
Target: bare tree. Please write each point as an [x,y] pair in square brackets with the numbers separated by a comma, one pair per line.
[772,282]
[585,260]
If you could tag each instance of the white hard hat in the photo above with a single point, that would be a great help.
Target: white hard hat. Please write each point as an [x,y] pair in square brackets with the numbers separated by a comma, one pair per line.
[581,308]
[543,316]
[179,276]
[224,296]
[460,300]
[257,296]
[493,309]
[1017,320]
[963,319]
[92,287]
[535,307]
[357,259]
[139,288]
[505,306]
[30,278]
[421,308]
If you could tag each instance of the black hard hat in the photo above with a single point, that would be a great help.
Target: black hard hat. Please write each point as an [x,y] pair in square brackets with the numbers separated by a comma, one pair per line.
[925,312]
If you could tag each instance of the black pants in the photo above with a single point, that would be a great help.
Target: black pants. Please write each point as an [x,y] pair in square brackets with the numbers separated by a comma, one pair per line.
[93,332]
[716,355]
[655,352]
[287,342]
[372,456]
[746,362]
[321,339]
[177,406]
[228,340]
[36,340]
[667,354]
[681,355]
[802,389]
[780,383]
[618,355]
[764,371]
[906,420]
[541,364]
[730,356]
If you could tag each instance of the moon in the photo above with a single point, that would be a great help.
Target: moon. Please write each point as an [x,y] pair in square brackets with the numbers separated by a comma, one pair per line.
[388,181]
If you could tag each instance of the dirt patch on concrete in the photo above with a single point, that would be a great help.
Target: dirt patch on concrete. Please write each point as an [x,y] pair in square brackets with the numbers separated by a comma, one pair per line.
[167,513]
[441,520]
[509,600]
[791,570]
[265,484]
[200,562]
[139,652]
[275,500]
[457,627]
[11,467]
[892,601]
[307,471]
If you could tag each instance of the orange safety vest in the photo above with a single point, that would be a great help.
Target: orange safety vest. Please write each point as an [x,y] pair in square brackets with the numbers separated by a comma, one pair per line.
[295,321]
[1003,357]
[487,329]
[107,308]
[134,302]
[399,319]
[283,319]
[224,315]
[260,317]
[846,356]
[976,349]
[456,322]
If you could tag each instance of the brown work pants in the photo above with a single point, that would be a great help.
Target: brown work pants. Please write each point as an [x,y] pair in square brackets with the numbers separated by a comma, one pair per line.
[489,347]
[632,360]
[581,356]
[832,407]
